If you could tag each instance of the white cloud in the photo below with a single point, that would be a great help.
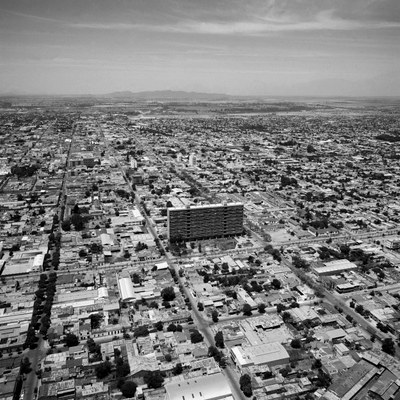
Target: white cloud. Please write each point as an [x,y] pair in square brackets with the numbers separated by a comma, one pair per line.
[105,26]
[324,20]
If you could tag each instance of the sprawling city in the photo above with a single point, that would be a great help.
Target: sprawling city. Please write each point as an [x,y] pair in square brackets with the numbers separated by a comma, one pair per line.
[209,249]
[199,200]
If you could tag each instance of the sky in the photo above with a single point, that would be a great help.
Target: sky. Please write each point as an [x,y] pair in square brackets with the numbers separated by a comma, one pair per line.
[238,47]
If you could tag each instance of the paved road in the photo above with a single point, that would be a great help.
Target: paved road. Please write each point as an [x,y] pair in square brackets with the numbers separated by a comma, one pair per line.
[61,203]
[336,300]
[256,314]
[377,289]
[217,254]
[347,236]
[204,326]
[35,356]
[199,321]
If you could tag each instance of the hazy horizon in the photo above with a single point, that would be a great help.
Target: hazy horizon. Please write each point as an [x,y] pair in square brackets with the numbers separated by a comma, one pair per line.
[253,48]
[136,95]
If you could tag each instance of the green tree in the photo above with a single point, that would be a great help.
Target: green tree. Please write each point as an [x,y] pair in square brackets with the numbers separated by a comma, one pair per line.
[78,221]
[178,369]
[214,316]
[261,308]
[25,366]
[82,253]
[388,346]
[159,326]
[286,316]
[373,338]
[317,364]
[296,343]
[280,307]
[246,310]
[299,262]
[122,369]
[196,336]
[215,353]
[153,379]
[141,331]
[66,225]
[219,340]
[96,248]
[103,369]
[153,304]
[276,284]
[323,379]
[349,318]
[95,320]
[92,346]
[71,340]
[244,380]
[360,309]
[128,389]
[247,390]
[171,328]
[245,385]
[168,293]
[285,371]
[166,304]
[310,148]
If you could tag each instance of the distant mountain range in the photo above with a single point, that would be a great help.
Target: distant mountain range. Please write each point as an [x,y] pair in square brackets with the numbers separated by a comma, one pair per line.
[184,96]
[162,95]
[169,95]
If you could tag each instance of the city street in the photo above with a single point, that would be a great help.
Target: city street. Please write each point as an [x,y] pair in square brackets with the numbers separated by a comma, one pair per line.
[200,322]
[336,300]
[35,356]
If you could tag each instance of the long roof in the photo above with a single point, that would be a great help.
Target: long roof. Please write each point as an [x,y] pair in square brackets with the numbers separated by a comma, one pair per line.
[204,206]
[206,387]
[126,291]
[260,354]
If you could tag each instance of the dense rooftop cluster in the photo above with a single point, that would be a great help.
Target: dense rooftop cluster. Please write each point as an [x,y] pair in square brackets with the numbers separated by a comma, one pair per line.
[97,303]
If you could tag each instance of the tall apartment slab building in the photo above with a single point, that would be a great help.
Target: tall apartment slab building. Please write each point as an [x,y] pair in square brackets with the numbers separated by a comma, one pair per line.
[205,222]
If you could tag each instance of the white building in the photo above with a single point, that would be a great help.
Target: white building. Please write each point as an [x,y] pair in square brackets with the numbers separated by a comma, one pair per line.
[393,244]
[335,267]
[246,298]
[133,163]
[126,291]
[192,159]
[208,387]
[270,354]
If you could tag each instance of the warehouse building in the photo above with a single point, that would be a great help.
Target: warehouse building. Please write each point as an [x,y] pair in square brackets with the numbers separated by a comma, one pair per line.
[208,387]
[126,291]
[335,267]
[269,354]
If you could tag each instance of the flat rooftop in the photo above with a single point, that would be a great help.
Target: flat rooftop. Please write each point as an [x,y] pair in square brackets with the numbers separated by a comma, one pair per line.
[205,387]
[220,205]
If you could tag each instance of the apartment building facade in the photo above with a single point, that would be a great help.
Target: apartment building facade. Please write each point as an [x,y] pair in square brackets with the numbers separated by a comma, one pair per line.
[205,222]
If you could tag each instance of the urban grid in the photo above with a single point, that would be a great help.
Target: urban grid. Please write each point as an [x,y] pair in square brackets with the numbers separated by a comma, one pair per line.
[199,200]
[164,249]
